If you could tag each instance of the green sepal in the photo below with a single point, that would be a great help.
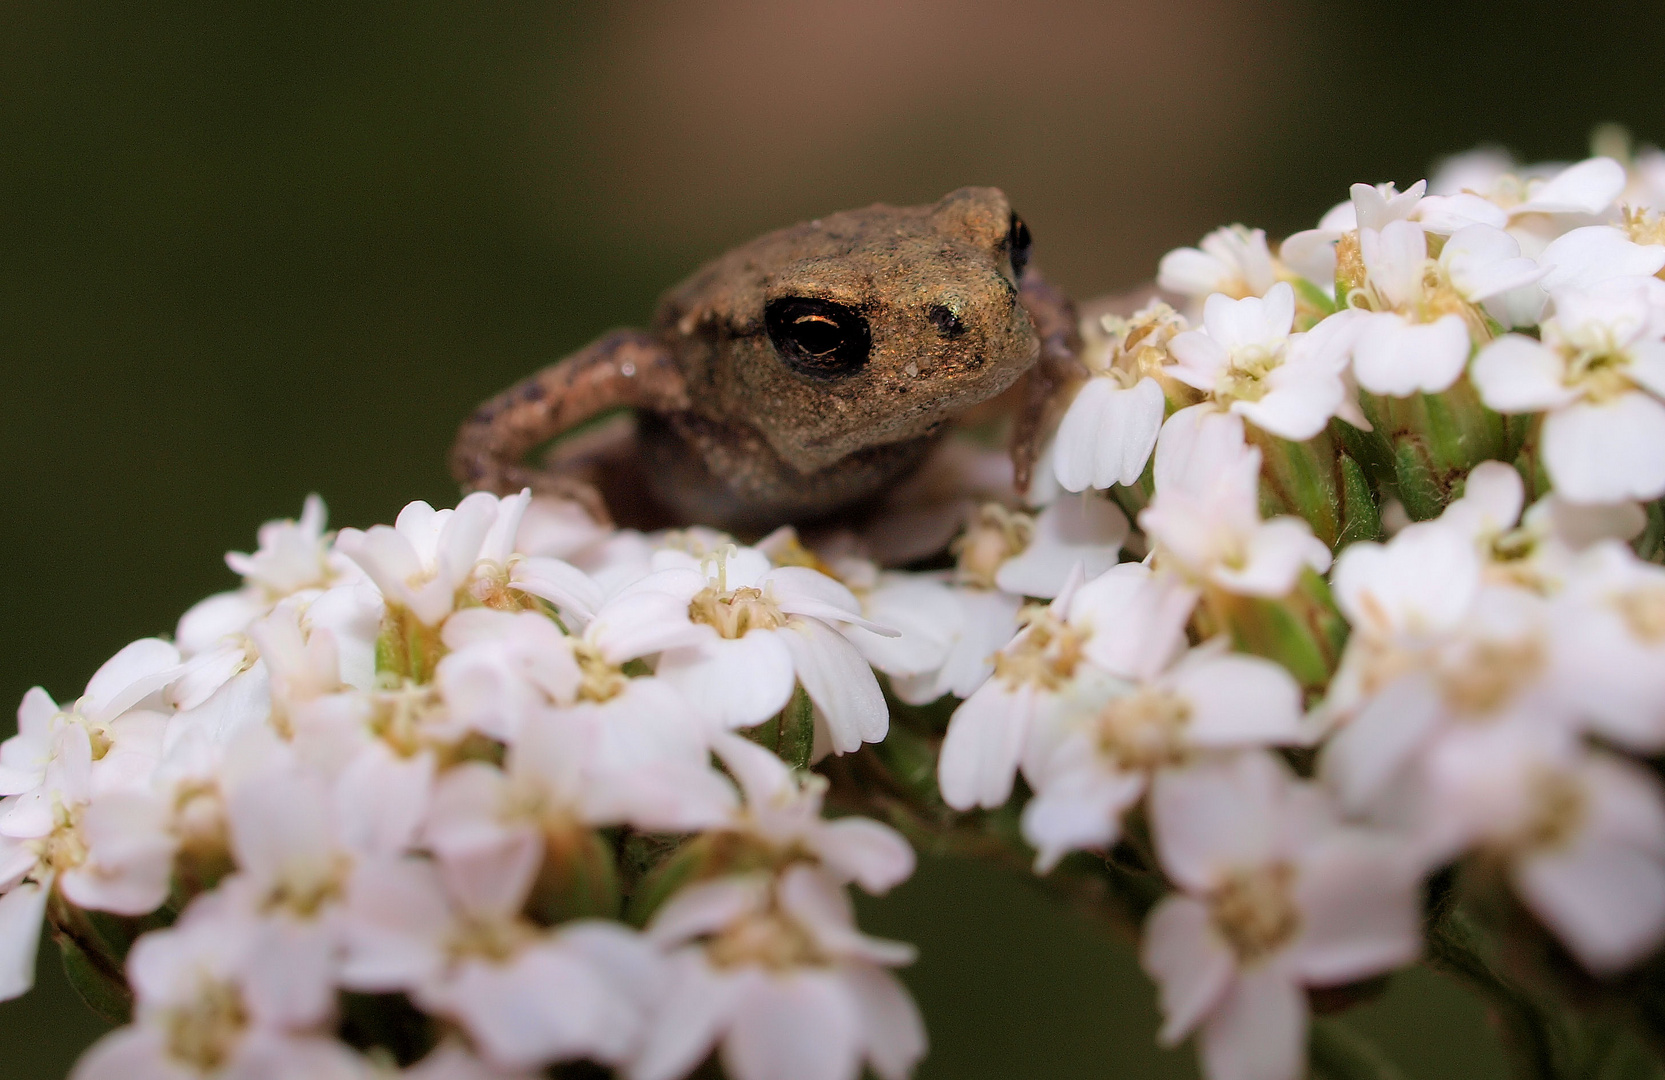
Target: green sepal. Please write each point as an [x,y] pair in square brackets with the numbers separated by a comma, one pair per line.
[1314,297]
[1419,491]
[709,855]
[578,879]
[104,991]
[1361,518]
[1300,478]
[1302,631]
[1651,544]
[790,733]
[407,650]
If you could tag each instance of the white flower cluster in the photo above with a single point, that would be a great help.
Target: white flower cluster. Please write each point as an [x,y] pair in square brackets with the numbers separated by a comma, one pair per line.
[1333,577]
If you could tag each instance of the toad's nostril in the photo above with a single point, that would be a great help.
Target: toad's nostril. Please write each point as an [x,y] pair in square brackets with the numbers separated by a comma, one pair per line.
[946,321]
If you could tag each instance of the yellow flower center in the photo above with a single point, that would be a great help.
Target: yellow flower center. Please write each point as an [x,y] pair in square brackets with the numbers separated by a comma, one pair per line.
[1254,910]
[494,940]
[204,1033]
[1559,806]
[1045,656]
[764,939]
[734,612]
[598,679]
[994,535]
[1490,674]
[1145,729]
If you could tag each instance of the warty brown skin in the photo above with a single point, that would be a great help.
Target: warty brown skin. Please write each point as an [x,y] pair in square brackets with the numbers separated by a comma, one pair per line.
[735,428]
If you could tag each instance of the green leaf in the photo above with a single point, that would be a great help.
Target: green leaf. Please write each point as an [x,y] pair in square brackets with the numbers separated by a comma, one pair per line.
[104,991]
[1337,1052]
[1361,519]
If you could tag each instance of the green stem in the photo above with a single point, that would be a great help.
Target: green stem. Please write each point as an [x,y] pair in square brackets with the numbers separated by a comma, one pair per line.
[1532,1032]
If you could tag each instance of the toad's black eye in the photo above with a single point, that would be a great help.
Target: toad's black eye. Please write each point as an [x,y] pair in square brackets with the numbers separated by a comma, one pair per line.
[1018,241]
[818,338]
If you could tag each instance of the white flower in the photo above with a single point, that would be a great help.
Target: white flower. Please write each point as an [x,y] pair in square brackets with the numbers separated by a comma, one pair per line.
[783,811]
[193,1017]
[429,555]
[1274,897]
[1126,622]
[1586,257]
[1418,337]
[1599,372]
[1234,261]
[1092,757]
[1583,835]
[455,939]
[1247,360]
[763,630]
[1206,513]
[776,975]
[982,621]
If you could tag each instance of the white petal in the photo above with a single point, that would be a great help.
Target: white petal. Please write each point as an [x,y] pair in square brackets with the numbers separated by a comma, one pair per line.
[980,752]
[1237,700]
[1607,452]
[1398,358]
[1596,253]
[733,682]
[1201,359]
[697,1007]
[128,677]
[1077,810]
[1295,409]
[803,1025]
[1361,912]
[706,907]
[1605,901]
[1259,1031]
[1517,374]
[873,855]
[894,1030]
[1214,815]
[1277,553]
[561,583]
[1588,187]
[1190,962]
[1368,753]
[839,682]
[21,912]
[1084,530]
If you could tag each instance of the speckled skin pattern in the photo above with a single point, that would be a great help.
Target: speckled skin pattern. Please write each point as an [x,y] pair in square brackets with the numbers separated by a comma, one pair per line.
[729,434]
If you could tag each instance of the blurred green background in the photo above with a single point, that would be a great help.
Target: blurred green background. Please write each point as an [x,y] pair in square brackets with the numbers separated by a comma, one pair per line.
[250,250]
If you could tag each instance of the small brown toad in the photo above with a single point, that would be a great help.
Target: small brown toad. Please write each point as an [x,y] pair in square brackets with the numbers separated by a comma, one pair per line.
[798,376]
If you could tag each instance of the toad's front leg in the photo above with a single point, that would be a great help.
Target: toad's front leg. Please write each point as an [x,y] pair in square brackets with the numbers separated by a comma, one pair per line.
[624,369]
[1057,366]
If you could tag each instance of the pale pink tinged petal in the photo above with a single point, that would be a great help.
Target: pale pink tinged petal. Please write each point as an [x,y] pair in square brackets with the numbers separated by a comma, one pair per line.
[21,913]
[1605,901]
[1233,323]
[1278,312]
[980,752]
[695,910]
[1078,810]
[290,977]
[280,822]
[1076,447]
[562,584]
[1361,910]
[1362,758]
[804,1026]
[1215,815]
[818,902]
[1276,554]
[1086,530]
[1259,1030]
[461,536]
[1191,963]
[800,590]
[763,777]
[542,1005]
[839,683]
[1137,619]
[733,682]
[662,796]
[35,713]
[384,555]
[989,622]
[1624,804]
[382,799]
[1237,700]
[1518,308]
[489,874]
[697,1009]
[874,856]
[17,861]
[1399,358]
[1201,359]
[396,924]
[890,1021]
[1295,409]
[499,540]
[1516,374]
[130,851]
[129,1053]
[1588,187]
[1607,452]
[1596,253]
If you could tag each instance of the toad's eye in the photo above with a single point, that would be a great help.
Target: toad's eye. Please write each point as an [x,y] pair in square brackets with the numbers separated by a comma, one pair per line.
[818,338]
[1018,241]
